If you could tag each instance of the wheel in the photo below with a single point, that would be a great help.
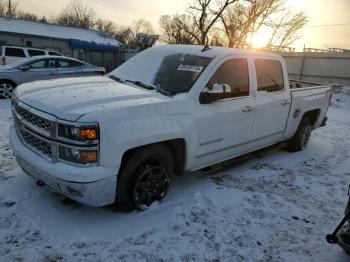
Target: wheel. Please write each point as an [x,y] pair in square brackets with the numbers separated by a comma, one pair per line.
[6,90]
[302,136]
[145,178]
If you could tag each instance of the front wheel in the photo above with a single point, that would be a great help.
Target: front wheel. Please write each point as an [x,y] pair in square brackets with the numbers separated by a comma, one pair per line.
[6,90]
[302,136]
[145,178]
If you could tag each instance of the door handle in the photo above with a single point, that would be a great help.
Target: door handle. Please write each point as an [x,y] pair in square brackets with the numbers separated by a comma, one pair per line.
[248,109]
[285,102]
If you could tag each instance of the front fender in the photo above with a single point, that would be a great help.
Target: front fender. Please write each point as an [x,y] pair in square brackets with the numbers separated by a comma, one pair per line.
[122,130]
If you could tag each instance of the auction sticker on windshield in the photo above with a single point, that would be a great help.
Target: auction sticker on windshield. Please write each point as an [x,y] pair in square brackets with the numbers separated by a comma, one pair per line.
[190,68]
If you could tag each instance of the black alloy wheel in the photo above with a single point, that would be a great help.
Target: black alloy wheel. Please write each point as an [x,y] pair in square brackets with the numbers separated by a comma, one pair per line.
[152,185]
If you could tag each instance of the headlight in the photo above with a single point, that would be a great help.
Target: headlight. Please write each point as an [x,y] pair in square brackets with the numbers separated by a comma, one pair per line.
[82,133]
[77,155]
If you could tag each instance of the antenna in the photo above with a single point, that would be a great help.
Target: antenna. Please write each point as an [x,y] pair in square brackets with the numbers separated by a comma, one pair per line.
[206,48]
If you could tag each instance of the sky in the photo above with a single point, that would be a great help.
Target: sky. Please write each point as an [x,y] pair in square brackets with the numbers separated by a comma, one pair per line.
[320,12]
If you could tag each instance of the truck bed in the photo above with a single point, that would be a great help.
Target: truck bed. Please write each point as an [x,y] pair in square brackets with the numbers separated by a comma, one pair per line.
[303,85]
[307,97]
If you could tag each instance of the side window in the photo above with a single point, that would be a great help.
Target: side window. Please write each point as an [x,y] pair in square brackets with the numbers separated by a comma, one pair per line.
[16,52]
[38,64]
[74,64]
[44,63]
[269,75]
[67,63]
[54,53]
[233,73]
[50,63]
[33,52]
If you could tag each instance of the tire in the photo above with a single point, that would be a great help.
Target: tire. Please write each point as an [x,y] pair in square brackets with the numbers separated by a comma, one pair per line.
[145,178]
[302,136]
[6,89]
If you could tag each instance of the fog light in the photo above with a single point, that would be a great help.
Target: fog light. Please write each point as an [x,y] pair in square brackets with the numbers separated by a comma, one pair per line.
[89,156]
[78,156]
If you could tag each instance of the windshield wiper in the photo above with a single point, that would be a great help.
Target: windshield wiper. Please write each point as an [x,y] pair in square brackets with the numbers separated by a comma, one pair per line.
[118,79]
[139,83]
[164,92]
[150,87]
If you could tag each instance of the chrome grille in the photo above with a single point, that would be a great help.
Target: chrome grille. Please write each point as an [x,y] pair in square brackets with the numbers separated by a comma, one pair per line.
[36,143]
[33,119]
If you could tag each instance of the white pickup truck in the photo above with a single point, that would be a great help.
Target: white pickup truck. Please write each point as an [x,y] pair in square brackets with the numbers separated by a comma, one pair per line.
[120,138]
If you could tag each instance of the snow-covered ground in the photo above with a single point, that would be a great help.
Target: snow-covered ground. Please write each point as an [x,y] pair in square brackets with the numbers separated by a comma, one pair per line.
[271,206]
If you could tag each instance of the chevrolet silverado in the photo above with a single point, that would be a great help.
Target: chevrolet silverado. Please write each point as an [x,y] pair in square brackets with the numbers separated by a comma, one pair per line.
[174,108]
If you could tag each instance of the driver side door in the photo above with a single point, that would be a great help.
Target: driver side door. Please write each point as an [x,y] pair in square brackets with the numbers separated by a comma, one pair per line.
[224,125]
[42,69]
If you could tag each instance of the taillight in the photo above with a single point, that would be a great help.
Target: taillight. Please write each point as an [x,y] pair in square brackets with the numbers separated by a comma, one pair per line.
[3,60]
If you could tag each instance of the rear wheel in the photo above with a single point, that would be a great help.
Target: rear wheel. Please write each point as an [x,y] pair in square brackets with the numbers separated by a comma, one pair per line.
[145,178]
[302,136]
[6,89]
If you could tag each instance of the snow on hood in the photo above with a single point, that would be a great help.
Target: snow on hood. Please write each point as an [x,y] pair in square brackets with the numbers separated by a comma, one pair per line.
[71,98]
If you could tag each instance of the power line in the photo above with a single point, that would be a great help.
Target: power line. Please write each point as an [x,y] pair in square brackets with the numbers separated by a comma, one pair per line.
[329,25]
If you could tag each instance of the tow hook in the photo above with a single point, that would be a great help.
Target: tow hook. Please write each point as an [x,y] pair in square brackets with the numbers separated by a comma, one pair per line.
[40,183]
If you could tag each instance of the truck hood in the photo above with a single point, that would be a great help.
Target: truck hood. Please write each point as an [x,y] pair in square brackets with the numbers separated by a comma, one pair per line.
[71,98]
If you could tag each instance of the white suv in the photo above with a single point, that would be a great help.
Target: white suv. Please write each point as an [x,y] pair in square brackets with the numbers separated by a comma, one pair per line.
[11,54]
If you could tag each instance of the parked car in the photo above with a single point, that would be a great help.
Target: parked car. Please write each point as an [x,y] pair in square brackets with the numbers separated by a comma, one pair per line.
[43,68]
[11,54]
[121,137]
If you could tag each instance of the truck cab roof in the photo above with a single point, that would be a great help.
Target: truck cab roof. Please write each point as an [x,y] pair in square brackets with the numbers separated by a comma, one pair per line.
[212,51]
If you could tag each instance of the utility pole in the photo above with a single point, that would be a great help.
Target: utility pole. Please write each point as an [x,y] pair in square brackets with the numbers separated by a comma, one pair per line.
[9,9]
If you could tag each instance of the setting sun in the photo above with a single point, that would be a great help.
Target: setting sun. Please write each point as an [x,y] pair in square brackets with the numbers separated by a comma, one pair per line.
[261,38]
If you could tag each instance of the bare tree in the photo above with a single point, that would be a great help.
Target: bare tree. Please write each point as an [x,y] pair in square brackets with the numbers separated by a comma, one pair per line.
[11,8]
[27,16]
[2,8]
[141,26]
[8,8]
[217,38]
[44,19]
[123,34]
[287,29]
[234,24]
[126,34]
[178,29]
[205,14]
[77,14]
[242,21]
[108,27]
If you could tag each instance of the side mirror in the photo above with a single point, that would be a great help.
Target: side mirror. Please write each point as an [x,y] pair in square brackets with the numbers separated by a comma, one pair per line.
[217,92]
[25,67]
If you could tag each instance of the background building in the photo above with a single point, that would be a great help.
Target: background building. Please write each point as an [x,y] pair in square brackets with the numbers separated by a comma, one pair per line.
[92,46]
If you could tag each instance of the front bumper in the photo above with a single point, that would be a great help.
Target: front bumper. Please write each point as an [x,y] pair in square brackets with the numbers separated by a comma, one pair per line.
[94,186]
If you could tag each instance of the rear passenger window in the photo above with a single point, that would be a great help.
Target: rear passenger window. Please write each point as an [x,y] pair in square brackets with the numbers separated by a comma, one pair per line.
[32,52]
[16,52]
[67,63]
[233,73]
[269,75]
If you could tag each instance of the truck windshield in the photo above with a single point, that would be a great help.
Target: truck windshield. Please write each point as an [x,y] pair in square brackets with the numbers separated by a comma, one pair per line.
[174,72]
